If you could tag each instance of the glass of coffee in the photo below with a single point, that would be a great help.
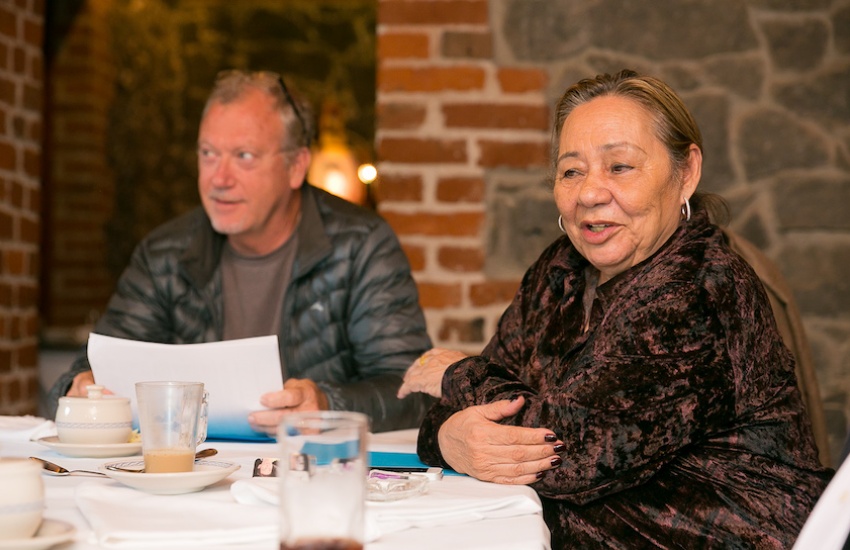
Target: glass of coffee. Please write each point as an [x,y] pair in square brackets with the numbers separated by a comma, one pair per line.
[172,422]
[322,467]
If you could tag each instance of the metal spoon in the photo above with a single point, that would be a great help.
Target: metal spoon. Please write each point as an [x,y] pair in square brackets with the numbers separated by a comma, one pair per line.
[203,453]
[57,470]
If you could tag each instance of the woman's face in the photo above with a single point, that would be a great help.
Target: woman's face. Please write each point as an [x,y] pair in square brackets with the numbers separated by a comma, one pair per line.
[615,186]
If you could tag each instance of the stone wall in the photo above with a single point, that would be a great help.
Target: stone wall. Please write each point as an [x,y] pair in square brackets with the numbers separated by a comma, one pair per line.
[464,93]
[21,31]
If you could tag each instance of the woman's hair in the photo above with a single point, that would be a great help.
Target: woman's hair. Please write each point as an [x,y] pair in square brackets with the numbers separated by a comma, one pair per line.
[674,125]
[295,111]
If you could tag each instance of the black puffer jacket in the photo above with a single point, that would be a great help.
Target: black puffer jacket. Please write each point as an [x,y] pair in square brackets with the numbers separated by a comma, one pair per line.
[351,319]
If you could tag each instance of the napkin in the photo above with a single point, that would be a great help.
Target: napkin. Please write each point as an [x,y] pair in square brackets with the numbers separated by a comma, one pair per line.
[126,518]
[25,428]
[449,501]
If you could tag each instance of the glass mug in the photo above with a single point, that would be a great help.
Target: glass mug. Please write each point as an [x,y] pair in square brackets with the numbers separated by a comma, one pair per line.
[172,422]
[323,480]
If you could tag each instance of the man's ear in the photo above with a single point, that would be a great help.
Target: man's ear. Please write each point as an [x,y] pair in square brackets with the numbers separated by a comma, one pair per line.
[299,167]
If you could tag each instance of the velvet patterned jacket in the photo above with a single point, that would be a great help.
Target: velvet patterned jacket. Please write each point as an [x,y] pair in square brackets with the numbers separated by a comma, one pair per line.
[676,399]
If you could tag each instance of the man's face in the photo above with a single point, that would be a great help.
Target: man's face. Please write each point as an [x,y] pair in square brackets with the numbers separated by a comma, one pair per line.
[248,184]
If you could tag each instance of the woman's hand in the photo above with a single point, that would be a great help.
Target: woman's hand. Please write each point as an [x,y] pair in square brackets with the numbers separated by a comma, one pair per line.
[473,443]
[426,373]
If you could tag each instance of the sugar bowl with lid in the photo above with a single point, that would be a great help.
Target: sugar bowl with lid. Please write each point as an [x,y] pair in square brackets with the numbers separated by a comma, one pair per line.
[96,419]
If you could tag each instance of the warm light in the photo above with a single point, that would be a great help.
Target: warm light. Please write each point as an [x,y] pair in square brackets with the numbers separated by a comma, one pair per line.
[367,173]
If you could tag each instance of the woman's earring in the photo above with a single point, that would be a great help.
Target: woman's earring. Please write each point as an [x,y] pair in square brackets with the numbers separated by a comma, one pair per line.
[561,224]
[686,210]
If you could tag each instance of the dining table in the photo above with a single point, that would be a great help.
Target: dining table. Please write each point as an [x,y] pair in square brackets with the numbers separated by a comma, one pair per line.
[455,512]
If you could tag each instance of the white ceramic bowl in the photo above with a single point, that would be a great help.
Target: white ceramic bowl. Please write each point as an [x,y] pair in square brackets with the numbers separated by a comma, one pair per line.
[22,498]
[94,420]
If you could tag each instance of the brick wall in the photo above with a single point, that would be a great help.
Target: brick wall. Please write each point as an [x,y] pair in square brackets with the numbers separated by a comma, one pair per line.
[79,186]
[448,116]
[21,32]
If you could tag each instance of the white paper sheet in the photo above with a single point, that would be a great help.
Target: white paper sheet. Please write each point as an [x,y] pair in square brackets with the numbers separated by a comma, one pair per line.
[234,372]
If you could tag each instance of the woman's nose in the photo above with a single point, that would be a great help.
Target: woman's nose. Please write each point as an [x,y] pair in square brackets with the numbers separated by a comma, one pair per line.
[594,190]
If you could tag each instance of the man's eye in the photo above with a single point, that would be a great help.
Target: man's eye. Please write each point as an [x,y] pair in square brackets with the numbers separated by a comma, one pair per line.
[245,155]
[570,173]
[618,168]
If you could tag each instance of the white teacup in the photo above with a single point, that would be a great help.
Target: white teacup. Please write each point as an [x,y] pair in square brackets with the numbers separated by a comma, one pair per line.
[22,498]
[94,420]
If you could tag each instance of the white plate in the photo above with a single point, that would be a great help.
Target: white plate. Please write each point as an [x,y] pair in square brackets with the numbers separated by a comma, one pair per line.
[51,532]
[83,450]
[206,473]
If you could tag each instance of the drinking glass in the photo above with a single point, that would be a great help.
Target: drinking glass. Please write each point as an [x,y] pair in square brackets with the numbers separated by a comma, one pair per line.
[172,421]
[323,480]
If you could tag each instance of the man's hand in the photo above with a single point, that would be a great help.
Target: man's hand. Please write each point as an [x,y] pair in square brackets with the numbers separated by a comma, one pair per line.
[298,394]
[426,373]
[473,443]
[81,381]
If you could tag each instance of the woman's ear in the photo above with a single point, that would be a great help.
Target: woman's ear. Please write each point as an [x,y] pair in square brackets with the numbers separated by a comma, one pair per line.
[692,171]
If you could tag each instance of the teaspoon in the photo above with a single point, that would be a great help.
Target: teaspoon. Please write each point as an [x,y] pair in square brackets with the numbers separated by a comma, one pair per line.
[203,453]
[57,470]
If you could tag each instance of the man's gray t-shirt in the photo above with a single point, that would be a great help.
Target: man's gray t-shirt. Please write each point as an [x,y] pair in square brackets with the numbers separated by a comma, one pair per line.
[253,288]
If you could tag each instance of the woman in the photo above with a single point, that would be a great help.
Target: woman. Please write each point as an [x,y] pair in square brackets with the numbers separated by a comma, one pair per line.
[637,380]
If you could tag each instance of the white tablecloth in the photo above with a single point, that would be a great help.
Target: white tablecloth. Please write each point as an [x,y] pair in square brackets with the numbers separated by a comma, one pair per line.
[526,532]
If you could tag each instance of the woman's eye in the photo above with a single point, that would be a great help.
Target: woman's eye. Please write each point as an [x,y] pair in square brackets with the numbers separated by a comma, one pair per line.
[618,168]
[570,173]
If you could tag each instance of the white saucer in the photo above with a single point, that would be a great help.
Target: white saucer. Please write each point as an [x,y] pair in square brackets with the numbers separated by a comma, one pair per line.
[206,473]
[83,450]
[51,532]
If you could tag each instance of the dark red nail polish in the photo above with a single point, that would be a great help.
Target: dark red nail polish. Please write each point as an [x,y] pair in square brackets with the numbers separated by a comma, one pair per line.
[556,461]
[539,475]
[550,438]
[560,448]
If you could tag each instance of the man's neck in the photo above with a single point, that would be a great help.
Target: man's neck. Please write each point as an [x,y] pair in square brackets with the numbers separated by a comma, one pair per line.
[275,235]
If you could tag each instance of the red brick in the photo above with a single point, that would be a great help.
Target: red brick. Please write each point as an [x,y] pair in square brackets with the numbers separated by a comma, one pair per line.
[439,295]
[6,228]
[430,79]
[32,163]
[8,22]
[19,60]
[461,259]
[422,150]
[467,45]
[400,116]
[459,189]
[433,12]
[402,45]
[14,262]
[491,115]
[518,80]
[515,154]
[398,188]
[493,292]
[7,156]
[415,255]
[33,33]
[462,330]
[455,224]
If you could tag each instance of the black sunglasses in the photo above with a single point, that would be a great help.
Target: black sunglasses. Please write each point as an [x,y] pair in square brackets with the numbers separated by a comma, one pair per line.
[295,110]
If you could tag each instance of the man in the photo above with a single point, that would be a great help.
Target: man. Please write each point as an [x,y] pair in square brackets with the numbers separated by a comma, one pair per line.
[270,254]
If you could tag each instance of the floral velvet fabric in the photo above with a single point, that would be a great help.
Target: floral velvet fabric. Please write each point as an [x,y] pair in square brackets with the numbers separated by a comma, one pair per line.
[676,399]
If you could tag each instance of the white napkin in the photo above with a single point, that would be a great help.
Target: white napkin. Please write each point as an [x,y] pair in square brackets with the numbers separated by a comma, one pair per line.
[25,428]
[450,501]
[126,518]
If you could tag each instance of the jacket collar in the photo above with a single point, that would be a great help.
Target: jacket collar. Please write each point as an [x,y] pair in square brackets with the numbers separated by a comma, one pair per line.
[201,257]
